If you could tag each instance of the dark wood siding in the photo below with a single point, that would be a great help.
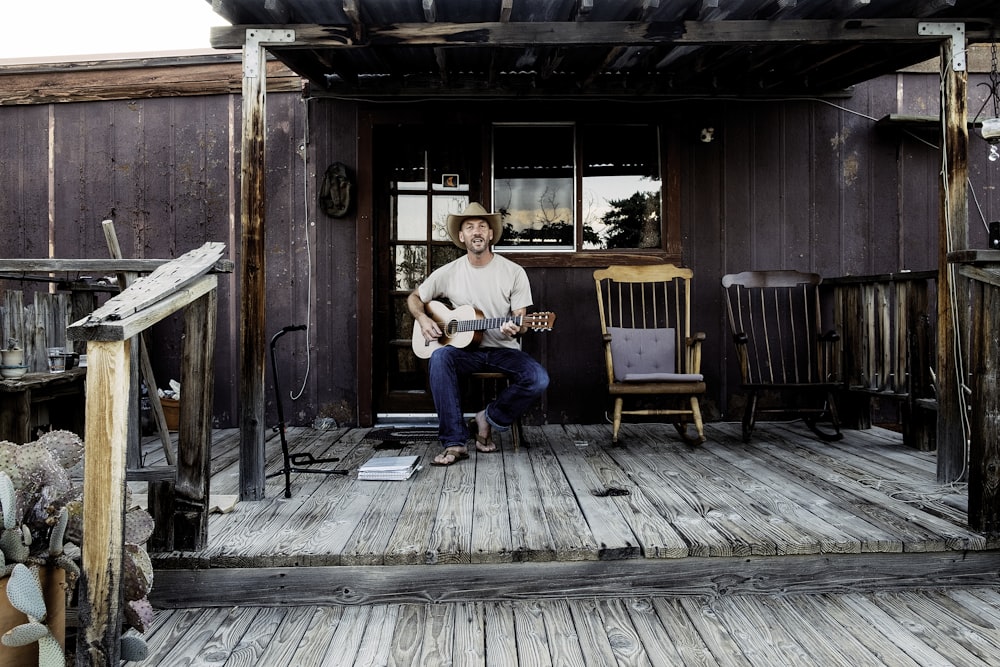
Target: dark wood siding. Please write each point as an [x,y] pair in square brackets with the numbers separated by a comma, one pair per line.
[785,185]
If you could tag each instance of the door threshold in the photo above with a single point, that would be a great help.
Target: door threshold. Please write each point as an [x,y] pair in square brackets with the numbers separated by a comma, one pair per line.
[407,419]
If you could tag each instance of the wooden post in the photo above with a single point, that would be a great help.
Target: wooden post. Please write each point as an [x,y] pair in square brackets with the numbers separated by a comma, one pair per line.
[191,492]
[104,503]
[984,455]
[252,276]
[953,298]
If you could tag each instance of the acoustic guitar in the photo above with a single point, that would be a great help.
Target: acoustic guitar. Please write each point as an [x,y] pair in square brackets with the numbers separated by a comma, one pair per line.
[464,326]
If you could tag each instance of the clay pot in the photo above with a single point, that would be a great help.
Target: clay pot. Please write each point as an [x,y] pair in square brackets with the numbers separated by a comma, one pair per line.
[12,357]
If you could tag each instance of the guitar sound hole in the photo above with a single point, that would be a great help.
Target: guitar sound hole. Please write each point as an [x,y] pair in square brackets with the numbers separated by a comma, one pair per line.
[451,329]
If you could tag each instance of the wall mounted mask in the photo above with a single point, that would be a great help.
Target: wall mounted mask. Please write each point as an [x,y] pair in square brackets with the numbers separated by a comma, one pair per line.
[336,190]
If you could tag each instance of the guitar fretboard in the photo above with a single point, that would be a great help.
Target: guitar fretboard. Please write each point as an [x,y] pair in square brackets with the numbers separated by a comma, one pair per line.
[457,326]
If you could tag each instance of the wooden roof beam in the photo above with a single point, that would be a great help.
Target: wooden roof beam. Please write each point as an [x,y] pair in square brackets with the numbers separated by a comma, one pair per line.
[430,15]
[506,8]
[584,33]
[353,12]
[648,7]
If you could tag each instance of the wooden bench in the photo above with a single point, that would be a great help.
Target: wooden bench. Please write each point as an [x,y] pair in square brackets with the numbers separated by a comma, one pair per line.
[42,400]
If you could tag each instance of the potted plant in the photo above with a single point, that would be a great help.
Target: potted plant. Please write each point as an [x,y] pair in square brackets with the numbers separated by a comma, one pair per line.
[12,355]
[41,503]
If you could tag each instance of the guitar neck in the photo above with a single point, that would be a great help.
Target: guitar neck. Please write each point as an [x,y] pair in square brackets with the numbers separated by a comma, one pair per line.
[487,323]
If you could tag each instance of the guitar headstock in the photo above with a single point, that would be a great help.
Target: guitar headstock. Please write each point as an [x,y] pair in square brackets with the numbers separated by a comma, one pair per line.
[543,321]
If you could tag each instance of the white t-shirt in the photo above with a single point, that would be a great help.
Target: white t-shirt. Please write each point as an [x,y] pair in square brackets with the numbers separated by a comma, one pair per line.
[497,290]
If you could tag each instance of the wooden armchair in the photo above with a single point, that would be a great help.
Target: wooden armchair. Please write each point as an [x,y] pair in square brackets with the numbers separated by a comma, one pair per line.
[650,353]
[782,352]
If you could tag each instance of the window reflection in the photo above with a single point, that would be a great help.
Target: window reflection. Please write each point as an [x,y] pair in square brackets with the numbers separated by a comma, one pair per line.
[533,185]
[535,181]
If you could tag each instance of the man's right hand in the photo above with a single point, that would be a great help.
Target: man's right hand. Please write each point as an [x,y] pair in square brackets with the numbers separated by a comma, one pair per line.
[429,328]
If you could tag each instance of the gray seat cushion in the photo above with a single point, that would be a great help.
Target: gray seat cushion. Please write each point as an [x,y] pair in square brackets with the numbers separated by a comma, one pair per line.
[646,355]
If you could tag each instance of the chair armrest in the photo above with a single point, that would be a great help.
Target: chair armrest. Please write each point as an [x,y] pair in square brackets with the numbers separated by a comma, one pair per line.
[699,337]
[692,363]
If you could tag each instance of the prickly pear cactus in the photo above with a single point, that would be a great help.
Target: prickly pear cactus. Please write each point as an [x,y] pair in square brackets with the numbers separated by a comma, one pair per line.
[25,594]
[65,446]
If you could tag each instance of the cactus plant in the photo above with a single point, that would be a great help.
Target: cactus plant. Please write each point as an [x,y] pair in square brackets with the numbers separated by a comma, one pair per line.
[41,522]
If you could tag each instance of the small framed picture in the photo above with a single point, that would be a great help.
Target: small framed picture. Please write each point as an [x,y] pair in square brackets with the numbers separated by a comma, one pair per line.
[449,180]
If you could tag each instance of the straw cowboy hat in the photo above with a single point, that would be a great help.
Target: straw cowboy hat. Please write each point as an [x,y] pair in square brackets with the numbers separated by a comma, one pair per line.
[473,210]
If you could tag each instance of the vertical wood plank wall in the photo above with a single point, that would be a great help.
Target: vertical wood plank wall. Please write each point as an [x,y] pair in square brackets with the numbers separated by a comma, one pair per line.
[785,185]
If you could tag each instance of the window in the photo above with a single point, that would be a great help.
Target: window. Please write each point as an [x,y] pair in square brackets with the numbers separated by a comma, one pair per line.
[539,169]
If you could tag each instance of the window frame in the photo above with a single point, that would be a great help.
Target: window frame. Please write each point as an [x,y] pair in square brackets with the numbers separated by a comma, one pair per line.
[669,249]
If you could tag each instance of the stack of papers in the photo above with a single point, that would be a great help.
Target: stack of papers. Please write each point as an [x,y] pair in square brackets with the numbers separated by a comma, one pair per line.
[389,468]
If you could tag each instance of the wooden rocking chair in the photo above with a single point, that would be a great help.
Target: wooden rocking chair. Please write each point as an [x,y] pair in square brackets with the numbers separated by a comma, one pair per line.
[649,350]
[775,318]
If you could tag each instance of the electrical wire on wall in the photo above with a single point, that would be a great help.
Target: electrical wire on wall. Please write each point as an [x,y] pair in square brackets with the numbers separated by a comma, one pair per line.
[309,264]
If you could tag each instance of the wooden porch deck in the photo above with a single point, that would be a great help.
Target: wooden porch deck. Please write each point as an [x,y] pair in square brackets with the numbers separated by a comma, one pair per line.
[786,550]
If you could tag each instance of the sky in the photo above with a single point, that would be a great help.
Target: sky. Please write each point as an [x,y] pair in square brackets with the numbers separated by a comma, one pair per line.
[44,29]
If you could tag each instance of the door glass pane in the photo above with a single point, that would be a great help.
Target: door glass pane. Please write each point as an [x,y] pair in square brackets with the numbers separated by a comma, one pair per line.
[443,206]
[411,266]
[533,170]
[411,217]
[621,187]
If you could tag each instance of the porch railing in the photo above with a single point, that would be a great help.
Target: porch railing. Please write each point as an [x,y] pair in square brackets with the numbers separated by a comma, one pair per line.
[887,327]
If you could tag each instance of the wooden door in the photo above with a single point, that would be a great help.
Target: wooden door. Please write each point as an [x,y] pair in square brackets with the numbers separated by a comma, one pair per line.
[421,175]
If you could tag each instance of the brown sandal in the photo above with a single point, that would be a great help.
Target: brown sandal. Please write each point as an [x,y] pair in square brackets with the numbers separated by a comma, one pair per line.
[452,452]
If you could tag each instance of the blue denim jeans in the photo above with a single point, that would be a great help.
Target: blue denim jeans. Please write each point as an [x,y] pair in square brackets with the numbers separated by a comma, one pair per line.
[528,381]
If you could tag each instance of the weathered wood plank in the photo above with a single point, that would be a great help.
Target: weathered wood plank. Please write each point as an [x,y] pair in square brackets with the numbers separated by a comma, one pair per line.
[532,639]
[173,276]
[897,629]
[115,329]
[651,630]
[653,528]
[710,483]
[312,647]
[368,543]
[563,639]
[377,642]
[530,539]
[622,635]
[281,646]
[501,634]
[333,503]
[923,531]
[470,634]
[451,537]
[684,637]
[591,632]
[172,627]
[491,532]
[611,533]
[340,584]
[724,645]
[95,266]
[567,527]
[184,647]
[408,635]
[787,498]
[104,488]
[437,645]
[830,612]
[254,643]
[685,512]
[192,486]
